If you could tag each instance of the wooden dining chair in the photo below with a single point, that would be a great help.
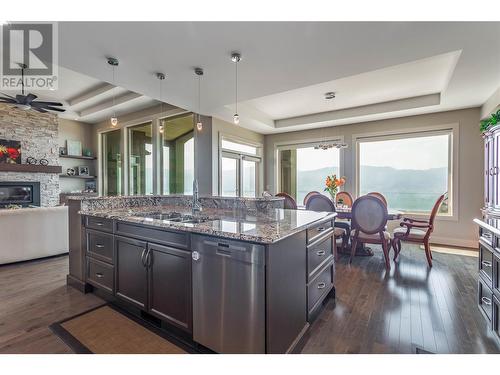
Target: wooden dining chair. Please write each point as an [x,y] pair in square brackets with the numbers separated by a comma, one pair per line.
[344,198]
[369,219]
[379,196]
[308,195]
[289,201]
[320,203]
[417,231]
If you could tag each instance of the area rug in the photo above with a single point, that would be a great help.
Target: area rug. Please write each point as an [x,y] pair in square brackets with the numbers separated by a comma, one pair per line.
[107,330]
[453,250]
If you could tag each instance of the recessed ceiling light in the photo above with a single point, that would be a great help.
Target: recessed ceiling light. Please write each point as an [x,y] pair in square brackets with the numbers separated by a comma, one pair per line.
[329,95]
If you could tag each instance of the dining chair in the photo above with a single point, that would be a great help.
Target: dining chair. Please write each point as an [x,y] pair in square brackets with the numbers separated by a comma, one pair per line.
[369,219]
[379,196]
[343,197]
[308,195]
[321,203]
[289,201]
[417,231]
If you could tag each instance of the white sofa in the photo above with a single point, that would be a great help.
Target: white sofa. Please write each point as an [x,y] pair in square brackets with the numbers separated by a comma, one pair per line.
[31,233]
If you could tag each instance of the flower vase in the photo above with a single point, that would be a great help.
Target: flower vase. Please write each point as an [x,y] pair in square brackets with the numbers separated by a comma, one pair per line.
[333,195]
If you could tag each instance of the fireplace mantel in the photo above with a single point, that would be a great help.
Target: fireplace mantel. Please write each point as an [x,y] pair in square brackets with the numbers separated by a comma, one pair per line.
[30,168]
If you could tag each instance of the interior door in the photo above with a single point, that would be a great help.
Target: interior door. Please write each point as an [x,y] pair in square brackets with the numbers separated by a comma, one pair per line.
[131,272]
[170,285]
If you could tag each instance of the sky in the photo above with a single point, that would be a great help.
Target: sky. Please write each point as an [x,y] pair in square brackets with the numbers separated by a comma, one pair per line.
[410,153]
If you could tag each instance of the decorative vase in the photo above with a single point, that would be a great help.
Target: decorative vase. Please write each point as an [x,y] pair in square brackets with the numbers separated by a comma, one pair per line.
[333,195]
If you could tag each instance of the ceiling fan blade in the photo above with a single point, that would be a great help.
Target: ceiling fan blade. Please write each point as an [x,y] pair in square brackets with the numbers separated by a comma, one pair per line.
[54,109]
[39,109]
[55,104]
[7,95]
[21,99]
[30,98]
[7,100]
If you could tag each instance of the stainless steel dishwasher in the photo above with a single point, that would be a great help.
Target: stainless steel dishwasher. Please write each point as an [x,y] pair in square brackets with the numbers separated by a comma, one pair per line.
[228,295]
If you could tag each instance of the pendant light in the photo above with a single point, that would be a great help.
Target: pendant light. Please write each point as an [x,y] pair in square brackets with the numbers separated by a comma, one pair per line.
[199,73]
[325,144]
[114,63]
[161,77]
[236,58]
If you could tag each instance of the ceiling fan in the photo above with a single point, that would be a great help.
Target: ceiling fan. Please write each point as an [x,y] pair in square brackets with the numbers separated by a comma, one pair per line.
[27,102]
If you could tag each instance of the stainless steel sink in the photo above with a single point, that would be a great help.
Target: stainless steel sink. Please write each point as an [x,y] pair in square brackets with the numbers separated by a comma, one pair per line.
[175,217]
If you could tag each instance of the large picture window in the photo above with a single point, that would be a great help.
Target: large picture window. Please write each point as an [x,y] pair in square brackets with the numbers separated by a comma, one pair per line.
[303,168]
[410,170]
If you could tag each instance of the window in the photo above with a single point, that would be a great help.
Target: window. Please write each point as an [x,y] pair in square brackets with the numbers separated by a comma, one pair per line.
[410,170]
[177,154]
[140,159]
[112,163]
[238,168]
[302,169]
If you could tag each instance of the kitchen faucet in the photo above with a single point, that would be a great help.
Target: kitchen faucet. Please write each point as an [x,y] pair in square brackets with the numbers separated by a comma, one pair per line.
[196,202]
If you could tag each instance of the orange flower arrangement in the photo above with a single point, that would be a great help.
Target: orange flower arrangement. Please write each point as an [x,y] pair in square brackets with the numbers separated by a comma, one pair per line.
[332,184]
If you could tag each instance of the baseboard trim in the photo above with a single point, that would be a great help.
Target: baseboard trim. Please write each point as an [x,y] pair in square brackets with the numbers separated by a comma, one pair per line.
[458,242]
[78,284]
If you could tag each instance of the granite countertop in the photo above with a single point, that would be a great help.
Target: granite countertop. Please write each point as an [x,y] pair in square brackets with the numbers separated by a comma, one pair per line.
[262,227]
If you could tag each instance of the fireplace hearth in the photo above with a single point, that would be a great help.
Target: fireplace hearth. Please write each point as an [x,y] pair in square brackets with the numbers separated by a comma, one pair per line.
[19,193]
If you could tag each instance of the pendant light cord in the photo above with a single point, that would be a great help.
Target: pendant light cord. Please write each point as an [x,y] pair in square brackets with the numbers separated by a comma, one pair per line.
[236,86]
[114,84]
[199,97]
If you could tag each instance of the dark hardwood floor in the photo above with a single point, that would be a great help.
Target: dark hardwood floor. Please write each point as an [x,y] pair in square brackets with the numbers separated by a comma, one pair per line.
[408,307]
[34,295]
[375,311]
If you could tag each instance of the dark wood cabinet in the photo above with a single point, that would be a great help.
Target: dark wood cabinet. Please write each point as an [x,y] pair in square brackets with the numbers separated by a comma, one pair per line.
[131,272]
[169,276]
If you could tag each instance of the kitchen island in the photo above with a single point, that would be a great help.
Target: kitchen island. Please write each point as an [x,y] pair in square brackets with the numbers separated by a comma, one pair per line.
[233,280]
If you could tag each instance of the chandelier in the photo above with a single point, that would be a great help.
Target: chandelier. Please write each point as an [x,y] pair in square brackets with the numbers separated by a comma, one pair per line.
[328,145]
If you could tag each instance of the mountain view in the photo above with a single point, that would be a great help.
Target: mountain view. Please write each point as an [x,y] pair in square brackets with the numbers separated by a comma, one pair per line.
[405,189]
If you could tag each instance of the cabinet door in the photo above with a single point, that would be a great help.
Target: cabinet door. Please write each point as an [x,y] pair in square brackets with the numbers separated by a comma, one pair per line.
[130,272]
[487,168]
[170,285]
[495,161]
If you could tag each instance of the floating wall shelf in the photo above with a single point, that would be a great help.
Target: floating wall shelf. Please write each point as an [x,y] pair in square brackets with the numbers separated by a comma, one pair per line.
[30,168]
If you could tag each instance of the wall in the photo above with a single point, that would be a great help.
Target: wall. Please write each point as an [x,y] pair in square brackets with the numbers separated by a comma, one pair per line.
[461,231]
[38,133]
[225,128]
[76,131]
[491,105]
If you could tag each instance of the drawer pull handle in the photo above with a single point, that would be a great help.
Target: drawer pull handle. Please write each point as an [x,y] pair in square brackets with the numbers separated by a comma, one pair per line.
[99,275]
[99,224]
[320,253]
[99,246]
[321,286]
[486,263]
[486,301]
[487,235]
[321,229]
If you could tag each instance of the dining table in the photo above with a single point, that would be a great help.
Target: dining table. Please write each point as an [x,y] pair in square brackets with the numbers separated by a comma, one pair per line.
[345,213]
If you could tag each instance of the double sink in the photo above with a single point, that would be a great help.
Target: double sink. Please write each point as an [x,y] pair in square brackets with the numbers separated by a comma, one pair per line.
[176,217]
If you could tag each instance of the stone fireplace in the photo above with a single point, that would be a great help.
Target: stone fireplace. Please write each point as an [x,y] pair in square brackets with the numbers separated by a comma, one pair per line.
[38,133]
[19,193]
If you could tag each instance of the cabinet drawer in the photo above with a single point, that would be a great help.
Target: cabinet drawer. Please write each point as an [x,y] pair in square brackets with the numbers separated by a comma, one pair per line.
[319,287]
[100,274]
[318,255]
[486,262]
[161,236]
[485,297]
[314,233]
[486,236]
[99,223]
[496,275]
[100,245]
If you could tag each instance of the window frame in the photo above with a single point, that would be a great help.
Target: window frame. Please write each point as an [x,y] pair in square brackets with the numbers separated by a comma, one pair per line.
[448,129]
[240,156]
[311,142]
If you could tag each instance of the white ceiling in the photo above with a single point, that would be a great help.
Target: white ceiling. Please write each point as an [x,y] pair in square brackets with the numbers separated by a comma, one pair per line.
[287,66]
[93,104]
